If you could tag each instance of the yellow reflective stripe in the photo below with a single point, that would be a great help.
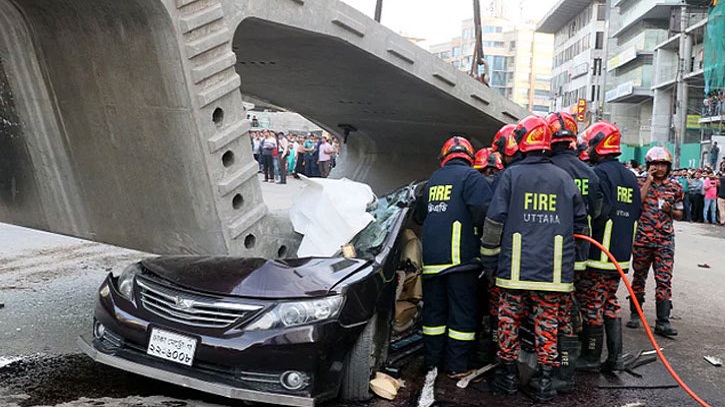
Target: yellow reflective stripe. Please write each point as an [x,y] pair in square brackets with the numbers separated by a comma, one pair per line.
[606,240]
[634,234]
[558,255]
[436,268]
[485,251]
[516,257]
[456,243]
[534,285]
[461,336]
[580,265]
[605,265]
[434,330]
[589,223]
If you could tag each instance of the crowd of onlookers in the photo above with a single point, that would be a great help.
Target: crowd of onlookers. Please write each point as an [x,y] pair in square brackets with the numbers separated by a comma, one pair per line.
[704,192]
[712,105]
[280,154]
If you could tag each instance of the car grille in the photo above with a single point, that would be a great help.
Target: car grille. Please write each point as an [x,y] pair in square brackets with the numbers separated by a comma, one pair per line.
[191,309]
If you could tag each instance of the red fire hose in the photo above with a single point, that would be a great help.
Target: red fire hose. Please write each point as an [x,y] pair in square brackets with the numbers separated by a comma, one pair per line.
[644,321]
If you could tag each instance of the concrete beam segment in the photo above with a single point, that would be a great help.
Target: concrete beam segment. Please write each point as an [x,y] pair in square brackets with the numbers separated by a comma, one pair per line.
[118,113]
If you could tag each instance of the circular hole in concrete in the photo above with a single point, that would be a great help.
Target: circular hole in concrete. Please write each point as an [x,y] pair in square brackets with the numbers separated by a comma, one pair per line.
[218,116]
[237,201]
[282,251]
[249,241]
[228,158]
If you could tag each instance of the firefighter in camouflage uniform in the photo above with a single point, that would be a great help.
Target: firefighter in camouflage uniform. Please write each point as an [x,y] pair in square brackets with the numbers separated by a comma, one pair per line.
[528,241]
[564,155]
[654,244]
[596,287]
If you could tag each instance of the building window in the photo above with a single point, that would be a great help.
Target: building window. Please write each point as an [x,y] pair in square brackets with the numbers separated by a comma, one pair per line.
[541,93]
[492,29]
[540,108]
[465,34]
[512,45]
[601,12]
[599,40]
[456,52]
[597,69]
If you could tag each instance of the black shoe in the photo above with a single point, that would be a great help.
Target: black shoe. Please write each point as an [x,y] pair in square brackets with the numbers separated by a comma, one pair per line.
[543,385]
[613,331]
[569,349]
[591,338]
[507,378]
[662,326]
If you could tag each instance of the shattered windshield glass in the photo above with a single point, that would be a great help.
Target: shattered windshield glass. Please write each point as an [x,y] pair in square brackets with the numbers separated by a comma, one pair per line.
[385,210]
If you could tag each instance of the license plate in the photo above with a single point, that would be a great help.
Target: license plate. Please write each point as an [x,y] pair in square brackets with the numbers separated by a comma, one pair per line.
[171,346]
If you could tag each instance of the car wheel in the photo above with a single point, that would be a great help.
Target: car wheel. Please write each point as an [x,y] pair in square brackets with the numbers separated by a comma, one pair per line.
[363,360]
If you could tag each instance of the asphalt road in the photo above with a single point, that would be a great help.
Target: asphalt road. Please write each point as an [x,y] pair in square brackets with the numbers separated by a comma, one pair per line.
[48,285]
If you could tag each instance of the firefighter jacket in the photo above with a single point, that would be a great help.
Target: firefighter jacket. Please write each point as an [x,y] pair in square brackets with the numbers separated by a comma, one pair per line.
[588,183]
[539,209]
[453,206]
[617,224]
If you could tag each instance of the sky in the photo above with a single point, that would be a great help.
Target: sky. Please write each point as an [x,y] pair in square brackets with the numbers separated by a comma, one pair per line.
[438,21]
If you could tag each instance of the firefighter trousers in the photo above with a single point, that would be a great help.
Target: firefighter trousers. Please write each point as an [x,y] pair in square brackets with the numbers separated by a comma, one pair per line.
[449,319]
[596,292]
[662,260]
[544,308]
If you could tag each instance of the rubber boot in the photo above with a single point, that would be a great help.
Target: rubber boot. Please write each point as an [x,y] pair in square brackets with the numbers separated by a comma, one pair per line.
[507,378]
[662,326]
[613,331]
[634,316]
[569,350]
[543,384]
[591,339]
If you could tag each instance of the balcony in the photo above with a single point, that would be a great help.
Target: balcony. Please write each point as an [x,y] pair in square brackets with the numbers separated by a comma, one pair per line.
[646,10]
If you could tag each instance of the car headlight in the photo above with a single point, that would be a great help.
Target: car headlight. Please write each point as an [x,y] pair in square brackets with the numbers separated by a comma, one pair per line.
[289,314]
[125,280]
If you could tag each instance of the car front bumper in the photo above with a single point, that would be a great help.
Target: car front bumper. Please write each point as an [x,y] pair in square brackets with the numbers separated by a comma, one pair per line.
[201,383]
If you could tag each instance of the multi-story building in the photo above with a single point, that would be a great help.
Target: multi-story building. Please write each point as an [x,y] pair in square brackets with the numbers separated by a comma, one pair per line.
[518,59]
[579,29]
[683,49]
[635,29]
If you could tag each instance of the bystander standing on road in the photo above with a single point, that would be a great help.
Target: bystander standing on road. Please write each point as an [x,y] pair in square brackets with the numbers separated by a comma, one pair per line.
[283,153]
[325,155]
[696,196]
[709,186]
[683,180]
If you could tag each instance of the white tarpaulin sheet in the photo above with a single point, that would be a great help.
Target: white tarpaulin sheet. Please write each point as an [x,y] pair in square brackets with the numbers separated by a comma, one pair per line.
[329,212]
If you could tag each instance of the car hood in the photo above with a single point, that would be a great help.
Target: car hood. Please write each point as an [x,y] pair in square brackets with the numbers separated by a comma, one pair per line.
[255,277]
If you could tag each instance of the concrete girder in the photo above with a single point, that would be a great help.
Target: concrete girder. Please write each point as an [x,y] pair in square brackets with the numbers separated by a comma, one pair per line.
[116,114]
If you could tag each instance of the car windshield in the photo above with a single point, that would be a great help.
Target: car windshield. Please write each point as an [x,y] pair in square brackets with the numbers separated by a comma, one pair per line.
[385,210]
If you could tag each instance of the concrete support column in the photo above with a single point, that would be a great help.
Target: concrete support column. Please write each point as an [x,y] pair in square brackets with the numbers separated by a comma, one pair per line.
[662,115]
[684,65]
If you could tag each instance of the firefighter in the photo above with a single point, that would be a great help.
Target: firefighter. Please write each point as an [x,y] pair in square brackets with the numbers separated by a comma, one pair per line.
[488,163]
[596,287]
[564,155]
[452,208]
[533,215]
[654,244]
[505,144]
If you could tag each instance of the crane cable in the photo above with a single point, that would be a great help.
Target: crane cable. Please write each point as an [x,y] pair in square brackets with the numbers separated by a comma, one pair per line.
[647,329]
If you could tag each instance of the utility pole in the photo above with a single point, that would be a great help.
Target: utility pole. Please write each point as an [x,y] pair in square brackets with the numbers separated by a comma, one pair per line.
[378,10]
[681,104]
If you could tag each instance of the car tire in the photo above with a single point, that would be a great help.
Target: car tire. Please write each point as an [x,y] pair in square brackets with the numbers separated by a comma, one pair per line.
[362,361]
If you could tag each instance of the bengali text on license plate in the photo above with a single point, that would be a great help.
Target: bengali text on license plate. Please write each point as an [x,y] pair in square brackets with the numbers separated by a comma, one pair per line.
[170,346]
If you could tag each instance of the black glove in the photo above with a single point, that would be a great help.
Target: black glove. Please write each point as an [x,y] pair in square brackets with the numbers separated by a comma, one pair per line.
[490,267]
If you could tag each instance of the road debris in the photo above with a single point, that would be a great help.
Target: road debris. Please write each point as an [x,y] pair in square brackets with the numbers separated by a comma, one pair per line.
[385,386]
[714,361]
[703,265]
[427,395]
[463,383]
